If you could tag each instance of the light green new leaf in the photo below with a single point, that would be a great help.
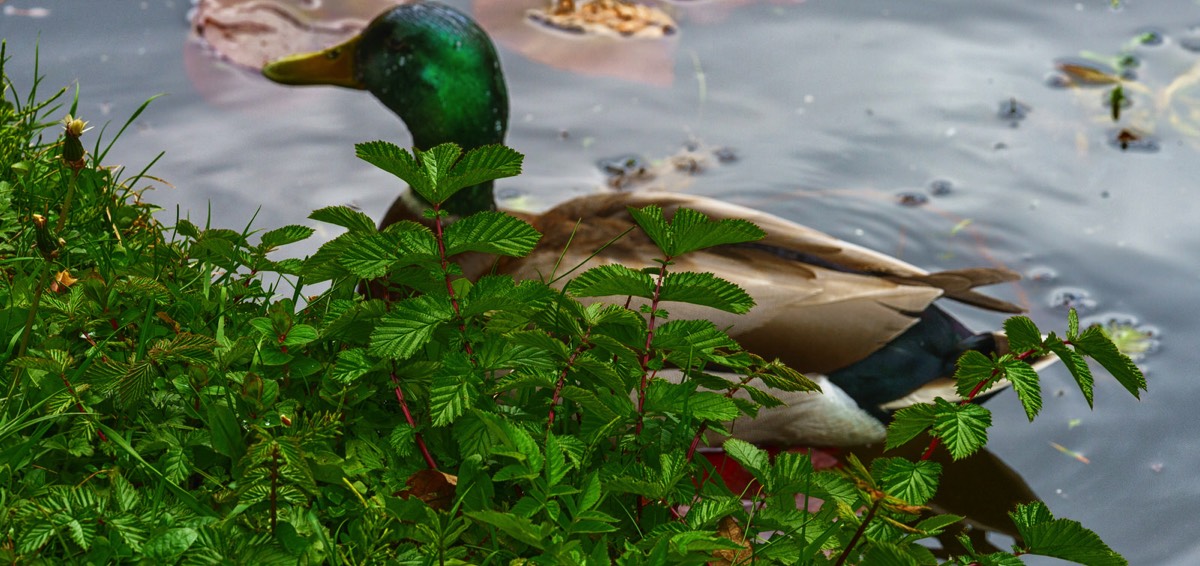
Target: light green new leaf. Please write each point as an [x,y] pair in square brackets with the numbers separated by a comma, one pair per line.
[694,231]
[345,217]
[1023,334]
[912,482]
[608,280]
[1076,364]
[1061,538]
[409,326]
[909,422]
[1098,346]
[399,162]
[707,290]
[963,428]
[491,233]
[1025,382]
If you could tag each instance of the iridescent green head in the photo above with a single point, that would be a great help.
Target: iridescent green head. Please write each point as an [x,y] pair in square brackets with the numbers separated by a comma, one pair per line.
[433,67]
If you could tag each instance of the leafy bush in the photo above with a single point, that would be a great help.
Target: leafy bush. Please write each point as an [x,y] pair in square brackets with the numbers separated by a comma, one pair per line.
[164,403]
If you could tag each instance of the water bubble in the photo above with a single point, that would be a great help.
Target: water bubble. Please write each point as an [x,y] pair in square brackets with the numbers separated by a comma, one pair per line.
[1013,110]
[1041,274]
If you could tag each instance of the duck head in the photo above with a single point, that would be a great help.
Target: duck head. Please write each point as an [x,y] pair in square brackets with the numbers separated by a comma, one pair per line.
[432,66]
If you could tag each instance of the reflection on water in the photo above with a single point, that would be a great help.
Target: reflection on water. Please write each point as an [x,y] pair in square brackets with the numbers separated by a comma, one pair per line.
[839,113]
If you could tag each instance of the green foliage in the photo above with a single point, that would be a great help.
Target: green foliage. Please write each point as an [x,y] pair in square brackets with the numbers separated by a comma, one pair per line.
[164,402]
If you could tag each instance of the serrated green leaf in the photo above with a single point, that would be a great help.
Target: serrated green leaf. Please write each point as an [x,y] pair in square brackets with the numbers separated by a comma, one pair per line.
[1023,334]
[754,459]
[962,428]
[1026,384]
[694,231]
[482,164]
[937,523]
[1061,538]
[1076,364]
[491,232]
[1072,324]
[652,222]
[517,527]
[912,482]
[345,217]
[1094,343]
[707,290]
[691,335]
[908,423]
[608,280]
[710,406]
[779,376]
[399,162]
[351,365]
[409,326]
[285,235]
[456,386]
[973,368]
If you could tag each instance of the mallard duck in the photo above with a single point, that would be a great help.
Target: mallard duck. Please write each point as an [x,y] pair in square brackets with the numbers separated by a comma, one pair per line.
[863,320]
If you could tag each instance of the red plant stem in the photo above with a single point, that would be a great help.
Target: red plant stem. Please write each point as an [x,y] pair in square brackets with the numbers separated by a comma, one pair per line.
[441,242]
[662,275]
[933,444]
[562,378]
[79,404]
[429,461]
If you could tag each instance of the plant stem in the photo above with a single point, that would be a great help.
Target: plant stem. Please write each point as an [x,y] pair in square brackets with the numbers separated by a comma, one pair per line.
[429,461]
[662,275]
[862,528]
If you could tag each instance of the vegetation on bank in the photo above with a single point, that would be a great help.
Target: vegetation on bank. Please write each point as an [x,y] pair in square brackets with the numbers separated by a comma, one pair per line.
[162,402]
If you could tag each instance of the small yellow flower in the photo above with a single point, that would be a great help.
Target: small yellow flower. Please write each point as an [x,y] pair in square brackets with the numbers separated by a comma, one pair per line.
[74,127]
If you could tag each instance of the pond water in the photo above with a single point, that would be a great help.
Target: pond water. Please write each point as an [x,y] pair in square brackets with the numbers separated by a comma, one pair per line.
[878,122]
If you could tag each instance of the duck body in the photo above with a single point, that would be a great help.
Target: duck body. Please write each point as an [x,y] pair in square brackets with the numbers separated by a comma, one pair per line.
[862,323]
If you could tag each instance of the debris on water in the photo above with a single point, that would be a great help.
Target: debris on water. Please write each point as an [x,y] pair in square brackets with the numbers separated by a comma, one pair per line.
[1129,139]
[940,187]
[1072,298]
[1084,73]
[1115,101]
[911,199]
[1131,338]
[624,170]
[1071,453]
[725,154]
[1013,111]
[613,18]
[1156,467]
[1152,38]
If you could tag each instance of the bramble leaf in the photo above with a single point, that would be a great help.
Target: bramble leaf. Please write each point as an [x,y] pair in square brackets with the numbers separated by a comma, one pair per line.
[399,162]
[1025,383]
[707,290]
[754,459]
[608,280]
[1076,364]
[963,428]
[1022,334]
[1098,346]
[973,368]
[1061,538]
[345,217]
[909,422]
[491,233]
[912,482]
[409,326]
[694,231]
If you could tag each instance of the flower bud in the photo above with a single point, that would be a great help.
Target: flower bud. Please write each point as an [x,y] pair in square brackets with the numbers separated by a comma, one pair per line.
[73,152]
[46,243]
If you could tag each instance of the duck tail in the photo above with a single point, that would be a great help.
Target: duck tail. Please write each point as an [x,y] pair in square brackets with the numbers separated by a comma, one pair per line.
[960,284]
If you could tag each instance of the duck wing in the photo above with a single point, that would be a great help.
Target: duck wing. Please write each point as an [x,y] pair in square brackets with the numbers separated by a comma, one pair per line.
[822,303]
